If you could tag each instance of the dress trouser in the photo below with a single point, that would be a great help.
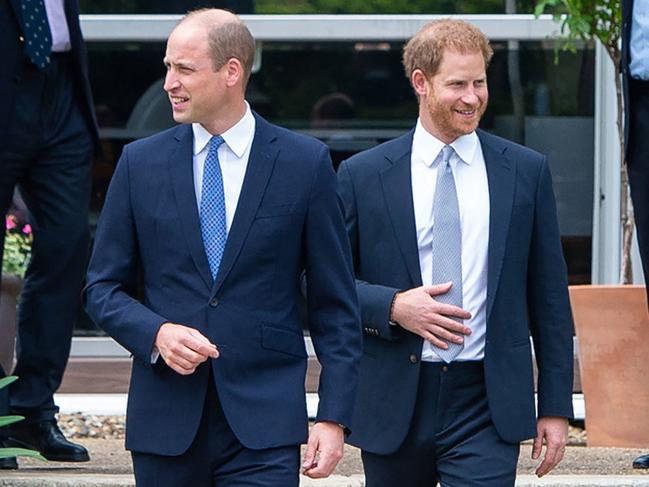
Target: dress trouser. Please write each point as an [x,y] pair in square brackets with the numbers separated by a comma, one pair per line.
[451,440]
[47,154]
[638,160]
[216,458]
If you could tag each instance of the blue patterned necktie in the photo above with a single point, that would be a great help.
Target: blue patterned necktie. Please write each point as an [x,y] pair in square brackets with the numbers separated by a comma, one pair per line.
[212,208]
[447,243]
[38,37]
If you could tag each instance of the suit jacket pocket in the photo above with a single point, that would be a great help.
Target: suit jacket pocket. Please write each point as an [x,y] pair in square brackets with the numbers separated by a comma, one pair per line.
[281,340]
[270,211]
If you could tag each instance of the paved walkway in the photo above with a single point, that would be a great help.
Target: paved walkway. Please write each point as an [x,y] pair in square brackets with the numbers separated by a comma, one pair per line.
[111,466]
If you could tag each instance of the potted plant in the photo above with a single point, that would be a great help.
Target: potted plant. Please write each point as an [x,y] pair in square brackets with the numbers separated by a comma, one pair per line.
[611,322]
[15,259]
[7,420]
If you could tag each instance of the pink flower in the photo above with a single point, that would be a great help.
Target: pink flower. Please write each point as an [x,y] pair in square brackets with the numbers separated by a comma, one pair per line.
[27,229]
[10,222]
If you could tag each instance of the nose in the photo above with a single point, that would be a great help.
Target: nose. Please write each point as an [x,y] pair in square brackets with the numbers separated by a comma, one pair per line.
[170,81]
[471,97]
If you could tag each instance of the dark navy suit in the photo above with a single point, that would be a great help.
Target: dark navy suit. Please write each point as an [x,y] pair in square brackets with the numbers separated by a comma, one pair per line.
[288,219]
[636,128]
[526,292]
[47,133]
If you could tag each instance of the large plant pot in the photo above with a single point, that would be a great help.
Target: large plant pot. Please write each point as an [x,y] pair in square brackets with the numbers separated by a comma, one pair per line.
[612,327]
[11,287]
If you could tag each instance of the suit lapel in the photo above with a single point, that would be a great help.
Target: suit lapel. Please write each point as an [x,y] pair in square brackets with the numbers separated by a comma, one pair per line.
[182,177]
[260,166]
[397,191]
[500,175]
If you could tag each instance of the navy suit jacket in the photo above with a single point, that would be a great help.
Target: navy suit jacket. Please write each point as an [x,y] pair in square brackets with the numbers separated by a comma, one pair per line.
[526,291]
[15,60]
[288,219]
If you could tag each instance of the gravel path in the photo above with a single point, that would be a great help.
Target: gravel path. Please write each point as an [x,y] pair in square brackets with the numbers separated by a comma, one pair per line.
[104,438]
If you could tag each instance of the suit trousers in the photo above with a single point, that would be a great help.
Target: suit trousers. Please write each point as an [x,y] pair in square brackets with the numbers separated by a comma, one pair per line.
[47,154]
[451,439]
[638,164]
[216,458]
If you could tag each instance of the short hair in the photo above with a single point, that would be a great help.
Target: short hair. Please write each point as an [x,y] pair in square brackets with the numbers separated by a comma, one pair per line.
[226,40]
[426,48]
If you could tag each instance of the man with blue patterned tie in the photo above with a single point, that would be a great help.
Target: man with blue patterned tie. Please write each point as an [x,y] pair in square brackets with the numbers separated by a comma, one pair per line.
[47,135]
[220,216]
[458,260]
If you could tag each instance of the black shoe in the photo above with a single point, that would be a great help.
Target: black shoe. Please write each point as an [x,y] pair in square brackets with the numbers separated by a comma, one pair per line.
[46,438]
[641,462]
[7,463]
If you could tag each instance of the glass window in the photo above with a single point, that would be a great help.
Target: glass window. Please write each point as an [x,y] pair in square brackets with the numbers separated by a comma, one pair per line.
[355,95]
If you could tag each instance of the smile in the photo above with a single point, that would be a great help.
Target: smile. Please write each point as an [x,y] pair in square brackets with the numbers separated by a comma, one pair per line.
[466,113]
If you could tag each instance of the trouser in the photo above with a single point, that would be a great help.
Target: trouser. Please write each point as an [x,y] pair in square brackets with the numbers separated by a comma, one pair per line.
[47,154]
[638,160]
[217,458]
[451,439]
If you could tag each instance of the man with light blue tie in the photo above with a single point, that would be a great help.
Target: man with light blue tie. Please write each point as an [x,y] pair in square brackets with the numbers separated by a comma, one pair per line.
[458,260]
[47,136]
[635,77]
[220,216]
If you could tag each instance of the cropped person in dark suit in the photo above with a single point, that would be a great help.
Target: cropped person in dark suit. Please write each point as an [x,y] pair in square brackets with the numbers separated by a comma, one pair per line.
[635,78]
[47,134]
[458,260]
[220,216]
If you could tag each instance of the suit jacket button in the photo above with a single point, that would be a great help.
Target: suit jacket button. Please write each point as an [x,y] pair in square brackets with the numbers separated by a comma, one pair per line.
[21,39]
[214,302]
[413,358]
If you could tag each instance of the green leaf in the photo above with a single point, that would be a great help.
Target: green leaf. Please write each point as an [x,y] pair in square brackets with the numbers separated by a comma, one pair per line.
[5,381]
[20,452]
[5,420]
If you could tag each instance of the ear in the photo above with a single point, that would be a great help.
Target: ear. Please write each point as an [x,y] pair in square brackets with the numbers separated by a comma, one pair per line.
[233,72]
[419,82]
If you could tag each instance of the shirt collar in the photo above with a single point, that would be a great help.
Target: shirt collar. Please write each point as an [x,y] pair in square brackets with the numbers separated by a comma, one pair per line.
[426,147]
[237,137]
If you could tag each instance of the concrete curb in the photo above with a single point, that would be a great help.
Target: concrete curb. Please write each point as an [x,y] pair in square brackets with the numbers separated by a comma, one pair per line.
[63,480]
[583,481]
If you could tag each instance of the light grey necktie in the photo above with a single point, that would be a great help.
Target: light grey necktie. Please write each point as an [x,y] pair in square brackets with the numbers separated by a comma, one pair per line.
[447,242]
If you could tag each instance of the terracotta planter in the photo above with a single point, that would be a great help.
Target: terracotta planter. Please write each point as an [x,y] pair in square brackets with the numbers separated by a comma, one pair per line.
[612,327]
[11,287]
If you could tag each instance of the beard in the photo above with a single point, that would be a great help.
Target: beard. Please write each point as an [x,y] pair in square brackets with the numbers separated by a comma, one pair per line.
[449,122]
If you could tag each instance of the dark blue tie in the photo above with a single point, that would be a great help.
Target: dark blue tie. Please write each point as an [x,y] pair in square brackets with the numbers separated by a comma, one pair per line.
[212,208]
[38,37]
[447,242]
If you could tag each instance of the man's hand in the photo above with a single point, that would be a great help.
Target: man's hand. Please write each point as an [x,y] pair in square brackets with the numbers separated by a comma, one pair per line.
[554,430]
[323,450]
[183,348]
[417,311]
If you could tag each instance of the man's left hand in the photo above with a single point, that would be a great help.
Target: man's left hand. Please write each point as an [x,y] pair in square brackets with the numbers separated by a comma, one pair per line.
[323,450]
[554,430]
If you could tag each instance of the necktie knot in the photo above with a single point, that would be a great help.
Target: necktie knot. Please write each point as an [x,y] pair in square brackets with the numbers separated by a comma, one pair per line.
[215,142]
[445,154]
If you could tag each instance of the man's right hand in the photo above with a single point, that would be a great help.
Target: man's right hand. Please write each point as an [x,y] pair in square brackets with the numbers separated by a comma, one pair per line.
[183,348]
[417,311]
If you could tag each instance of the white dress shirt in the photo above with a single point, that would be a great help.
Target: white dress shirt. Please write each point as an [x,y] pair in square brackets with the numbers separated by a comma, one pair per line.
[470,176]
[639,41]
[233,158]
[55,11]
